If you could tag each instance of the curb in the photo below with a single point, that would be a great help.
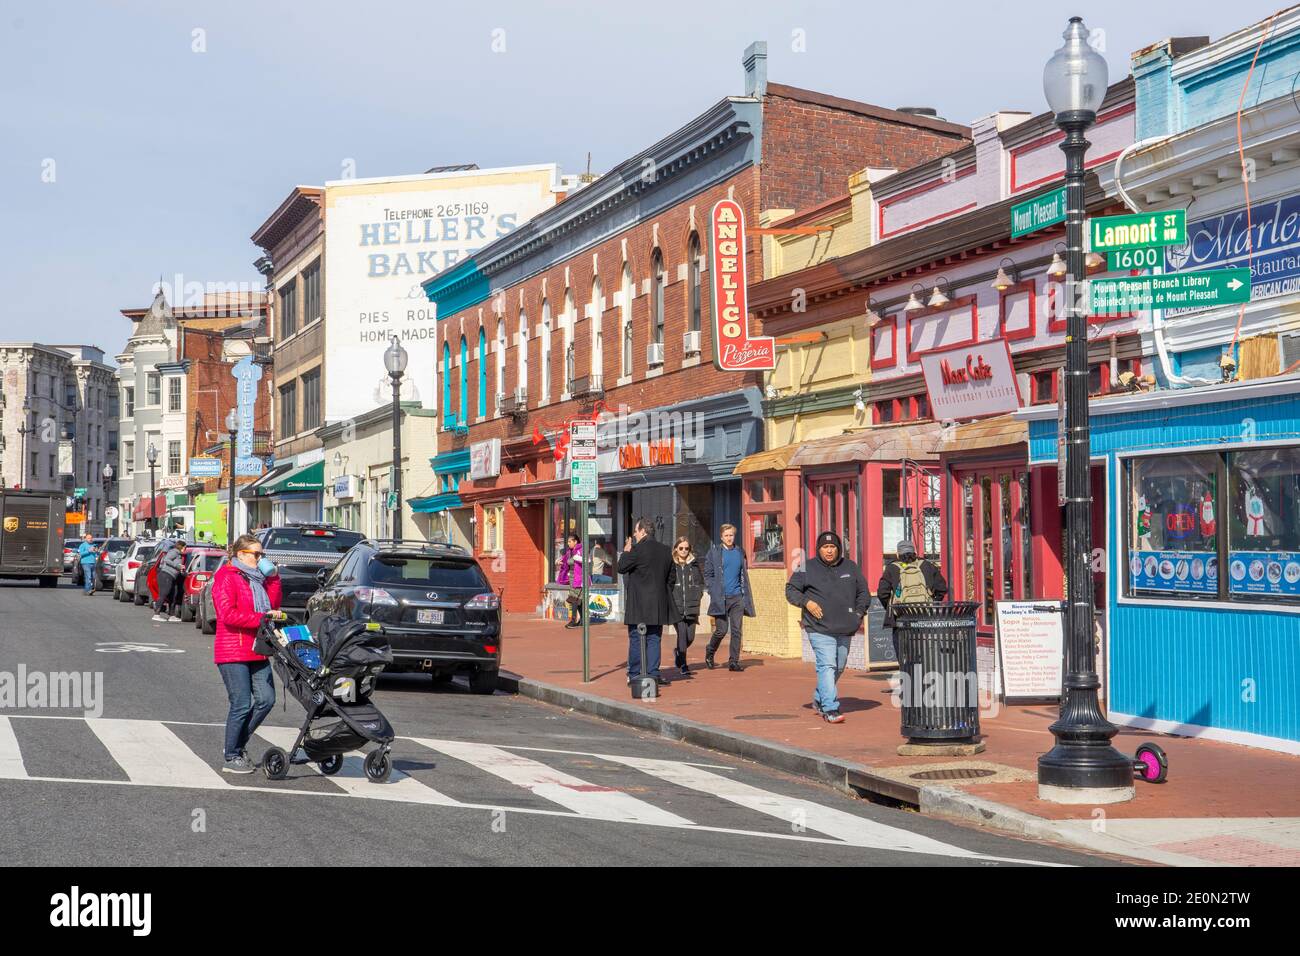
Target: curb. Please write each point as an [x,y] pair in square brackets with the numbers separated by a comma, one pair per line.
[854,779]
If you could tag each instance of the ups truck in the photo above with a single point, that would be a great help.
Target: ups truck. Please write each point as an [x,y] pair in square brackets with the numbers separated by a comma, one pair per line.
[31,535]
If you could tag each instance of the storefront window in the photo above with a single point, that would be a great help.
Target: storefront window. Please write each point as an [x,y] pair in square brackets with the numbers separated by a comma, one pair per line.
[755,491]
[768,538]
[892,524]
[1173,533]
[1263,526]
[493,518]
[564,520]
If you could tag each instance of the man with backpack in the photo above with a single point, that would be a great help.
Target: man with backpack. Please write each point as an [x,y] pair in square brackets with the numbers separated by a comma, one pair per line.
[908,580]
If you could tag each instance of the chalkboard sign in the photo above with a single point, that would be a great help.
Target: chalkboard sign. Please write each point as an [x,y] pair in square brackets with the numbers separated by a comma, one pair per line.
[880,642]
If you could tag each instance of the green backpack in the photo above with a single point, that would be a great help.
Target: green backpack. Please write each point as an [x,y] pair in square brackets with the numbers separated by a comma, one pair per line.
[911,588]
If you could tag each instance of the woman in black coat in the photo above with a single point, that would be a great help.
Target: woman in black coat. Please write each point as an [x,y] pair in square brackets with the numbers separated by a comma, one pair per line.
[686,585]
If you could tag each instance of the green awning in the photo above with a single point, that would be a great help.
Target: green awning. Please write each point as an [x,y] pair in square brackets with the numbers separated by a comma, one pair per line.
[304,478]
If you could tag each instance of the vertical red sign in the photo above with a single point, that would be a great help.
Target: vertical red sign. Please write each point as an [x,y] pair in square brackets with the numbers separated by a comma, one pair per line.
[733,349]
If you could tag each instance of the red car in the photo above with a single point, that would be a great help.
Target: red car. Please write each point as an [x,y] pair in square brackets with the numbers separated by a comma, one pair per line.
[200,564]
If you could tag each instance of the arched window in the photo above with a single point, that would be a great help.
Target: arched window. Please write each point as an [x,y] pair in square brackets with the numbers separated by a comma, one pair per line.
[448,413]
[597,345]
[625,319]
[521,369]
[546,351]
[694,268]
[464,381]
[658,282]
[482,372]
[501,363]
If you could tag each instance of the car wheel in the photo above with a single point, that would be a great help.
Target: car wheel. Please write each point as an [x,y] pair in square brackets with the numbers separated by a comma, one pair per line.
[209,627]
[50,581]
[483,682]
[137,598]
[187,613]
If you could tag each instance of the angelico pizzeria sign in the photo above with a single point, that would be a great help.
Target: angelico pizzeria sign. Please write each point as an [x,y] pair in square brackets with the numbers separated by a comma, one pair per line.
[971,381]
[734,350]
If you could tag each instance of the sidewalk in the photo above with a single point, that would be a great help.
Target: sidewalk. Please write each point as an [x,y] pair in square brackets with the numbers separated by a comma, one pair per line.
[1223,804]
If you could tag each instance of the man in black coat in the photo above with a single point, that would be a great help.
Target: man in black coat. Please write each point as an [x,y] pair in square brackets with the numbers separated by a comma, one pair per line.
[645,564]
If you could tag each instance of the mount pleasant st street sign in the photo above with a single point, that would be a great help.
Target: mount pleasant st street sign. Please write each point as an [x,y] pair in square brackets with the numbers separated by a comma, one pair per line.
[1038,213]
[1180,290]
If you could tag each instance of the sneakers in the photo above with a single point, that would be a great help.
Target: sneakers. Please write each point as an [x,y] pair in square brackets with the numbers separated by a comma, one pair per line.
[708,661]
[733,666]
[239,764]
[159,618]
[817,708]
[832,716]
[173,619]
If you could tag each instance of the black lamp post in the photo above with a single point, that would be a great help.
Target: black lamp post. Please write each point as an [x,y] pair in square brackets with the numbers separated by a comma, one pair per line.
[152,456]
[1082,767]
[23,432]
[395,362]
[231,420]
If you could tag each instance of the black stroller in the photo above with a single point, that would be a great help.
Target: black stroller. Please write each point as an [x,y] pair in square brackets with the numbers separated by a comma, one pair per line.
[331,676]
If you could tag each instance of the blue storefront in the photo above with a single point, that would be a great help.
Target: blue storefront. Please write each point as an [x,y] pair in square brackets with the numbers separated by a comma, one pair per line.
[1202,557]
[443,516]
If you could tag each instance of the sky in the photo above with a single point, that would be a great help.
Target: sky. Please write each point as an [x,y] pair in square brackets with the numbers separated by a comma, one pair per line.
[148,139]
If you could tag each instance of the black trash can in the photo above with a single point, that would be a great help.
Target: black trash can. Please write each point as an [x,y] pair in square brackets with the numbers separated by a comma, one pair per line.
[936,660]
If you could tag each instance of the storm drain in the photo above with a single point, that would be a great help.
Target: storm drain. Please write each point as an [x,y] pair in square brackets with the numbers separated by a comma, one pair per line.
[952,773]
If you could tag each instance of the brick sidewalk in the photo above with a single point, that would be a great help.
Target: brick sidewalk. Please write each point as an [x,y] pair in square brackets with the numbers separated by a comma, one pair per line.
[771,700]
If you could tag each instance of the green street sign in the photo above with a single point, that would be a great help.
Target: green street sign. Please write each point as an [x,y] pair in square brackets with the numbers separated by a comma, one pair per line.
[1178,290]
[1112,233]
[391,503]
[79,492]
[1148,258]
[1038,213]
[584,481]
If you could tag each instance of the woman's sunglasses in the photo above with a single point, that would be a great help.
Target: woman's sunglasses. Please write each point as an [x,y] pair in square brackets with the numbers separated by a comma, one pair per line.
[256,554]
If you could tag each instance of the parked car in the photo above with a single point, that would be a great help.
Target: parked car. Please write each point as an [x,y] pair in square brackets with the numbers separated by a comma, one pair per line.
[205,614]
[70,546]
[300,551]
[200,564]
[439,612]
[78,577]
[137,555]
[110,553]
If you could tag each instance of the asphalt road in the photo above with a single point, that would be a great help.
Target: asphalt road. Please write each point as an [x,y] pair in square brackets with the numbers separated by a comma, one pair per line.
[479,780]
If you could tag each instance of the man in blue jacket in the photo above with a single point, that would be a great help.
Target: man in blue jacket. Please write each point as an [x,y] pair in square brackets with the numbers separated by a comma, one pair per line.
[86,554]
[834,597]
[726,578]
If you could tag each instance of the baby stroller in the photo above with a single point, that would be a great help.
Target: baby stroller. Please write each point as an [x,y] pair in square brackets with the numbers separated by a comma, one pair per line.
[332,676]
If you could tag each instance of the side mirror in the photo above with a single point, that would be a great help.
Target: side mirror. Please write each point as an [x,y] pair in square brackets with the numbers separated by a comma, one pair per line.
[321,575]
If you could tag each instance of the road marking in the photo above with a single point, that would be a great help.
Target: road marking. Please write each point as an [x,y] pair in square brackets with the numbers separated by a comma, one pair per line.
[11,758]
[351,779]
[150,753]
[848,827]
[587,799]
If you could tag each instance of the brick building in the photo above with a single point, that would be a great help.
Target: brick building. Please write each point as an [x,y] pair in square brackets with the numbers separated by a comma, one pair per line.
[600,307]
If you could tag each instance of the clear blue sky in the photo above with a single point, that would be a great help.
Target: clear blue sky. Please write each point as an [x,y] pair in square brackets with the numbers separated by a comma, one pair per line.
[166,159]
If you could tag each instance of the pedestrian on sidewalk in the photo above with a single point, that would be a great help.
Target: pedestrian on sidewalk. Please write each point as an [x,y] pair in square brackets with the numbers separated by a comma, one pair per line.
[686,584]
[86,554]
[171,580]
[726,578]
[834,596]
[244,592]
[908,579]
[570,573]
[645,564]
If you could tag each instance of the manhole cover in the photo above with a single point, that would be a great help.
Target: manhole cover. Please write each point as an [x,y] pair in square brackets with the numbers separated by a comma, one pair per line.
[766,717]
[953,773]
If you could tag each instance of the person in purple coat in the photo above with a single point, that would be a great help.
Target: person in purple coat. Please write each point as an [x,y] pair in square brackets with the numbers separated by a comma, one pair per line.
[570,573]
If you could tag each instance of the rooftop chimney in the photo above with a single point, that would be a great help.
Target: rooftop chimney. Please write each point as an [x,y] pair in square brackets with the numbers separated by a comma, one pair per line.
[755,62]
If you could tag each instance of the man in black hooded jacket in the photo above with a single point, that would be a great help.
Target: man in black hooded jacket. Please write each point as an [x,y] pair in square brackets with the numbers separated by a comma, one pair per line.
[834,597]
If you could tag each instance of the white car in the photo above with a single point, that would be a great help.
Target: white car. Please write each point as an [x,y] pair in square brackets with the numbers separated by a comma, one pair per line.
[136,557]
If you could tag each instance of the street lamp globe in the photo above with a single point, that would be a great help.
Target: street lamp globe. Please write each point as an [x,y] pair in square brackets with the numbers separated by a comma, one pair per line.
[152,454]
[395,358]
[108,472]
[1076,77]
[231,420]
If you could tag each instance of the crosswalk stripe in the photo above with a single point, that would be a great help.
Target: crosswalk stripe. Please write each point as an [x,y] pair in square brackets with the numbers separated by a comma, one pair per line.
[150,753]
[11,758]
[848,827]
[352,779]
[587,799]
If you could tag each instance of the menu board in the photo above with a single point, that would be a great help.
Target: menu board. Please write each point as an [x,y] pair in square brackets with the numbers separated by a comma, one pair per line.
[1264,572]
[1192,572]
[1029,637]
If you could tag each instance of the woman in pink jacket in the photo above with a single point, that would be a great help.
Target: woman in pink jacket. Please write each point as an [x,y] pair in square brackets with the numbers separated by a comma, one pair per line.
[244,592]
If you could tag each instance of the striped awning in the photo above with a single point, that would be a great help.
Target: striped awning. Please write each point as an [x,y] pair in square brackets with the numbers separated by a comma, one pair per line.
[775,459]
[996,432]
[916,441]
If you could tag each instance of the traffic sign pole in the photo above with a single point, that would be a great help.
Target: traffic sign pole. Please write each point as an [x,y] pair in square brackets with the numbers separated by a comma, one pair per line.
[585,609]
[584,485]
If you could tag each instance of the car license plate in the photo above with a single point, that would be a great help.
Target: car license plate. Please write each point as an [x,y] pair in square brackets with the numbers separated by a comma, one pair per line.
[428,617]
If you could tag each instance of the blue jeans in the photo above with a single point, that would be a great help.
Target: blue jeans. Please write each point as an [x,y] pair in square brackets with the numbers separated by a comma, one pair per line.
[653,633]
[88,577]
[252,695]
[831,654]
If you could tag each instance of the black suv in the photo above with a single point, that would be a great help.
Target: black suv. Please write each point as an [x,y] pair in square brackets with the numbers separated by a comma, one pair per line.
[300,551]
[439,612]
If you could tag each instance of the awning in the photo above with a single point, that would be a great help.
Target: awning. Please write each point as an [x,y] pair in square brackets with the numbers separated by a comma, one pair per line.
[877,443]
[776,459]
[996,432]
[258,487]
[178,499]
[432,504]
[303,478]
[141,511]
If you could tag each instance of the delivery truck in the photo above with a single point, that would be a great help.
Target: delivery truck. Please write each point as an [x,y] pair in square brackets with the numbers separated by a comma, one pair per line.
[31,535]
